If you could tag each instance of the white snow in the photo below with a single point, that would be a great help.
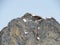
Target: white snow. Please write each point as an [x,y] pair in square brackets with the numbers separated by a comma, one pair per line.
[38,38]
[26,32]
[24,20]
[38,27]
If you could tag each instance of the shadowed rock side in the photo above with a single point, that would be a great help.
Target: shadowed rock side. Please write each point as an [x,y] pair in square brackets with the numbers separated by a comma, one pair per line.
[31,30]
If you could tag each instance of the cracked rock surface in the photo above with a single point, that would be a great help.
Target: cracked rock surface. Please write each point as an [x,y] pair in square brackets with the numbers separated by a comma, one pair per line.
[31,30]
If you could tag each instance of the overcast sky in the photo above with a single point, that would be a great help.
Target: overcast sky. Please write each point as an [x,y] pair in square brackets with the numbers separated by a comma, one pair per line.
[10,9]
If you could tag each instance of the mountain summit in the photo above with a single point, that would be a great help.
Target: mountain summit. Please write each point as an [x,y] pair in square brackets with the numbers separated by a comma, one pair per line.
[31,30]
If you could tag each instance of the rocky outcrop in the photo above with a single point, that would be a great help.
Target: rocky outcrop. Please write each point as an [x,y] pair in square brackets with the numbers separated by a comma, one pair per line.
[31,30]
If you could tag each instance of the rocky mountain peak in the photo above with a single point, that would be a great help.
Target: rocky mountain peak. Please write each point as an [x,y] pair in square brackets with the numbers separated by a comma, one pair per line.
[31,30]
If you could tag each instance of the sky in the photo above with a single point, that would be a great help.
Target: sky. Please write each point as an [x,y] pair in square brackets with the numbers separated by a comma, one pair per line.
[10,9]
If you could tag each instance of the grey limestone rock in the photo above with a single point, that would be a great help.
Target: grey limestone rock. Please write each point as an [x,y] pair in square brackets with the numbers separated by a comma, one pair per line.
[31,30]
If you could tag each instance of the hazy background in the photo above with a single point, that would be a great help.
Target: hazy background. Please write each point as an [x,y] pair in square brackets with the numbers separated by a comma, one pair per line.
[10,9]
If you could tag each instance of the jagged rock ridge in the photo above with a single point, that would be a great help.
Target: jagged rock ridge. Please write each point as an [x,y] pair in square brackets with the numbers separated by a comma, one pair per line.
[31,30]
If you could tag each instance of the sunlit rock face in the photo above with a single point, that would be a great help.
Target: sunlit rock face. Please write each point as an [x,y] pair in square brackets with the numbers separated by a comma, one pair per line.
[31,30]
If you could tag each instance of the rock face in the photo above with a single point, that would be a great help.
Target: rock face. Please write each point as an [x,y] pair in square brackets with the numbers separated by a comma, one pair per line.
[31,30]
